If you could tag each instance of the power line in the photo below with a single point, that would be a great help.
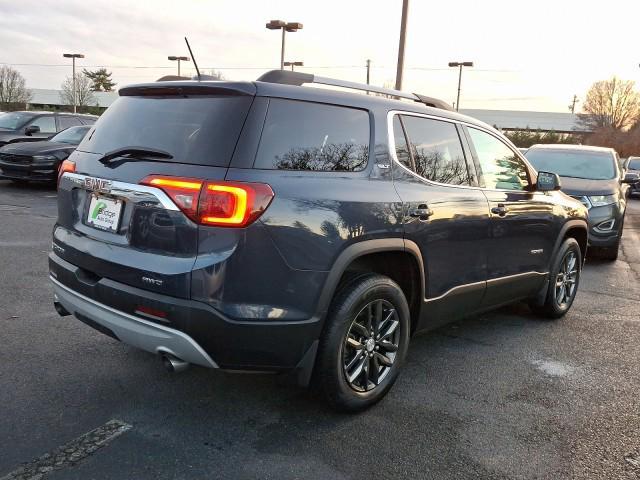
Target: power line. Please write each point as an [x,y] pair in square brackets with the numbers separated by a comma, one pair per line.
[377,67]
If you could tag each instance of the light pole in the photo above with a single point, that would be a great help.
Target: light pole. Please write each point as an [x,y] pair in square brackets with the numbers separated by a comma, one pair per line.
[403,36]
[460,65]
[173,58]
[73,79]
[293,64]
[285,27]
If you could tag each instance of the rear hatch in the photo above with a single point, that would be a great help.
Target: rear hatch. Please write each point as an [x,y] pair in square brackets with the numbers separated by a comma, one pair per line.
[115,219]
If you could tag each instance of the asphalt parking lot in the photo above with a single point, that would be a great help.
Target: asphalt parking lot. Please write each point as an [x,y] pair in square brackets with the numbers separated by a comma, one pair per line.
[504,395]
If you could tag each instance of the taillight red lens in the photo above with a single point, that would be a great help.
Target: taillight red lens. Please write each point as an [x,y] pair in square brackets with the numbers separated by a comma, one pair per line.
[66,166]
[183,191]
[228,204]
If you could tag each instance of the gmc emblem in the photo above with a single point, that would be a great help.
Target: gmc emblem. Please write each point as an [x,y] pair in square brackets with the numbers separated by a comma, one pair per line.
[97,184]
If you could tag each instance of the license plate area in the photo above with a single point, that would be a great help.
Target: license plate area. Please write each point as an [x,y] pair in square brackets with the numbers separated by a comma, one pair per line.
[104,213]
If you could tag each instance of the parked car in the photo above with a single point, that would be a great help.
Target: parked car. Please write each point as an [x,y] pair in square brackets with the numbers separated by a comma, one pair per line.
[33,126]
[268,226]
[24,161]
[593,176]
[633,166]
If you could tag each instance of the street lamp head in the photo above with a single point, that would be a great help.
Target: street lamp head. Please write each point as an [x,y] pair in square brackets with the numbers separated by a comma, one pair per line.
[174,58]
[294,64]
[461,64]
[73,55]
[276,24]
[293,26]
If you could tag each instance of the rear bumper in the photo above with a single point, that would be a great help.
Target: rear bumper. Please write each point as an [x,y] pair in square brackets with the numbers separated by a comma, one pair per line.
[190,325]
[143,334]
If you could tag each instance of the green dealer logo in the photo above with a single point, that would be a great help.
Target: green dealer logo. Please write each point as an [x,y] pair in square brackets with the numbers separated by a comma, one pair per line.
[97,210]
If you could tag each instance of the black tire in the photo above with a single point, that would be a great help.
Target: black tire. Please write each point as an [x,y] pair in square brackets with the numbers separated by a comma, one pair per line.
[338,348]
[555,304]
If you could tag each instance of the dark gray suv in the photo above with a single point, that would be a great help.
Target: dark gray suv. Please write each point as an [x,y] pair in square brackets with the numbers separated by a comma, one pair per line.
[267,226]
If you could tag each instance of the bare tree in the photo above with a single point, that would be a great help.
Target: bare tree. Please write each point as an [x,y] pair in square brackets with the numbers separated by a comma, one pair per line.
[611,103]
[12,86]
[84,95]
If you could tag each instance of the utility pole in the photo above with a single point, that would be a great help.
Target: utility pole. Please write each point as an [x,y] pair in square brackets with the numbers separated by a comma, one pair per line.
[368,70]
[403,36]
[572,107]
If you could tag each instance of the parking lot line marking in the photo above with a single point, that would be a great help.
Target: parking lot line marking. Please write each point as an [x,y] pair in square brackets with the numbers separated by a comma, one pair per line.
[70,453]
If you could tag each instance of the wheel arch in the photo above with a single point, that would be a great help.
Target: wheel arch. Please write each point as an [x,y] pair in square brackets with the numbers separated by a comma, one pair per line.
[577,229]
[379,256]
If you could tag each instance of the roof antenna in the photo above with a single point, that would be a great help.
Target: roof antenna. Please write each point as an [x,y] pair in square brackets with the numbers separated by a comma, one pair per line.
[192,57]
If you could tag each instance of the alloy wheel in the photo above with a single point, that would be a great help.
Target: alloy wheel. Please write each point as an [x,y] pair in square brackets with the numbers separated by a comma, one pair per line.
[371,345]
[566,279]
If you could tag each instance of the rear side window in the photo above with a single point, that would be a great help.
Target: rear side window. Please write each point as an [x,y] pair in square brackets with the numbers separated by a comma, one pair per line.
[312,136]
[66,122]
[436,150]
[47,124]
[201,130]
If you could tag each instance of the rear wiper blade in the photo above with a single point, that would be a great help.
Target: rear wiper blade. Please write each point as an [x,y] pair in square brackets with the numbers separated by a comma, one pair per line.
[126,154]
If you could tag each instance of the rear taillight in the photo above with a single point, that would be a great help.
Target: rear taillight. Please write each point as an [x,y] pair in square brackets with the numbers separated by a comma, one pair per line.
[183,191]
[220,203]
[66,166]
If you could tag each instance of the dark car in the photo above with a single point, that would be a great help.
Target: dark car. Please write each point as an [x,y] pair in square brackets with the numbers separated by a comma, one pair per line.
[39,161]
[593,176]
[267,226]
[633,166]
[33,126]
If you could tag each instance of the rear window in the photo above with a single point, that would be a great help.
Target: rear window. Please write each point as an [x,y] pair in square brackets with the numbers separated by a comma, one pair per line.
[312,136]
[634,164]
[200,130]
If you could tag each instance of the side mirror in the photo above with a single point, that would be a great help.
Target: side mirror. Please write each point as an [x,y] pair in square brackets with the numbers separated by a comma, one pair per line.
[31,129]
[631,177]
[548,182]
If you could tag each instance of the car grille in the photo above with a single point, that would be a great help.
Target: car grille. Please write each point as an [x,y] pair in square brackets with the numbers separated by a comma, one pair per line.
[583,200]
[15,159]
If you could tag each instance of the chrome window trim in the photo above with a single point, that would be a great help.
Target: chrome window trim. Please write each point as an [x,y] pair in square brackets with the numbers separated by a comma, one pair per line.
[485,282]
[127,190]
[392,149]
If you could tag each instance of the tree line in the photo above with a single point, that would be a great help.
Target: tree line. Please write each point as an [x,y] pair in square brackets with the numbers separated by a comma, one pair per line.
[13,89]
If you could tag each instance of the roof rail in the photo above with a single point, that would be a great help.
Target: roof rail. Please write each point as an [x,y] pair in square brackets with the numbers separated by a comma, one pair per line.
[299,78]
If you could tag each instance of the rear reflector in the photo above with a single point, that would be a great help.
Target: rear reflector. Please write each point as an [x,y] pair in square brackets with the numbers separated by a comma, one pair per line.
[66,166]
[220,203]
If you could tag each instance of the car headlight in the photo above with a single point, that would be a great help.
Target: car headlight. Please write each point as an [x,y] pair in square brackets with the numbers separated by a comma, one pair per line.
[602,200]
[44,158]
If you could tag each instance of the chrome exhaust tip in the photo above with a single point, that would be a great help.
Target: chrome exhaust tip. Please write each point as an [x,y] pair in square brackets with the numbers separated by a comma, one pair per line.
[63,312]
[173,364]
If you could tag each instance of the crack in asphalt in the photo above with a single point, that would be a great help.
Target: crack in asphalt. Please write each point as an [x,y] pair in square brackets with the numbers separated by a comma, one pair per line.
[70,453]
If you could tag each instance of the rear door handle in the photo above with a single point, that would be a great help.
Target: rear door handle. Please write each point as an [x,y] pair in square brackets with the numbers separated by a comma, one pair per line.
[500,210]
[423,212]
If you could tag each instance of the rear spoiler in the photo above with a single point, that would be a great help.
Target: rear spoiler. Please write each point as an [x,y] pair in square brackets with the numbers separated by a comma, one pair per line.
[182,86]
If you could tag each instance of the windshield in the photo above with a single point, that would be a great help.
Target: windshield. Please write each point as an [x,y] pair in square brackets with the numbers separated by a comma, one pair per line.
[573,163]
[14,120]
[200,130]
[634,164]
[72,135]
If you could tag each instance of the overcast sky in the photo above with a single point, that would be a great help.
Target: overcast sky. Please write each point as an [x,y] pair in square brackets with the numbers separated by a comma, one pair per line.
[527,55]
